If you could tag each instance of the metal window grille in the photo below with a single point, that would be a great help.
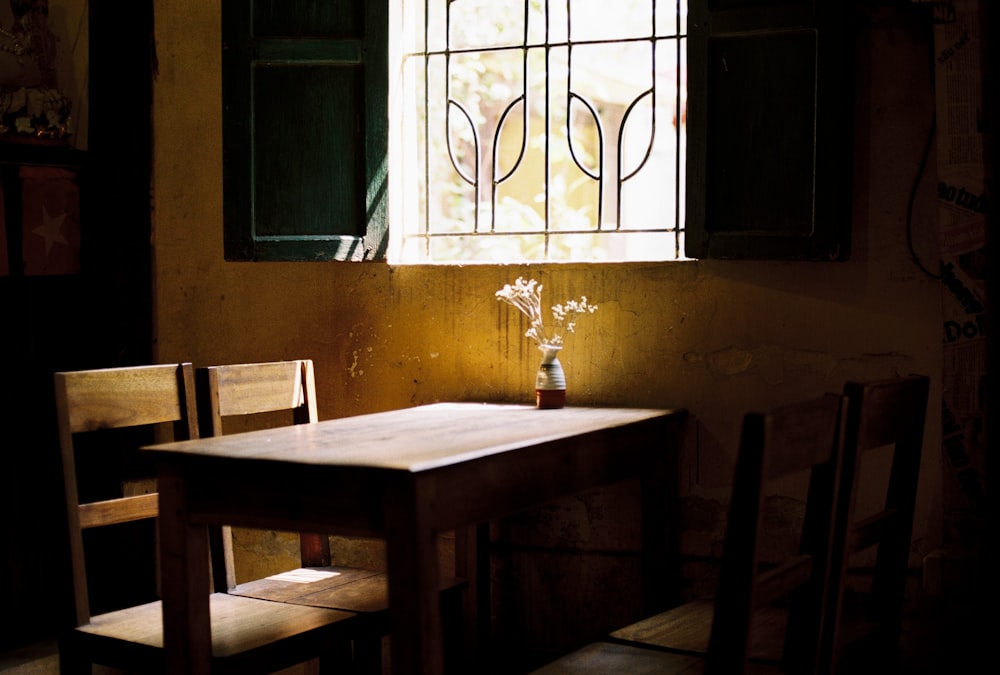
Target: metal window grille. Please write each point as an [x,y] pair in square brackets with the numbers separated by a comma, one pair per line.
[538,130]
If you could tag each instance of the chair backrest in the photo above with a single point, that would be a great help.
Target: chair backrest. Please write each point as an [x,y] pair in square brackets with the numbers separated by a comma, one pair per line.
[804,438]
[115,398]
[243,389]
[252,388]
[883,413]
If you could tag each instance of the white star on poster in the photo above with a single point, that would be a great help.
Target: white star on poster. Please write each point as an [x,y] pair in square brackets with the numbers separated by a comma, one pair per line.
[50,230]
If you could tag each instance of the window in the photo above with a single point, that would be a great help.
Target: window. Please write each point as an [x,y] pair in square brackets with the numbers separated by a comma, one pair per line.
[753,165]
[533,130]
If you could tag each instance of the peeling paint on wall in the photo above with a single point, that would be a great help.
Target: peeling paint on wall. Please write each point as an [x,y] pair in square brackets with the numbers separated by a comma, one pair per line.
[773,362]
[353,369]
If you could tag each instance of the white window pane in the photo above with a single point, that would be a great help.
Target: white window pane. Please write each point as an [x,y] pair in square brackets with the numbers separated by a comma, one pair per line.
[531,137]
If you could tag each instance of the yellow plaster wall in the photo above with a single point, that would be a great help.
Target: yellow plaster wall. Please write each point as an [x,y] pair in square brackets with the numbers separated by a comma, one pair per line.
[717,337]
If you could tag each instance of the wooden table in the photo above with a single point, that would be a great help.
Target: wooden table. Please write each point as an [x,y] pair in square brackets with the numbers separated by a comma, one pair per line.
[406,475]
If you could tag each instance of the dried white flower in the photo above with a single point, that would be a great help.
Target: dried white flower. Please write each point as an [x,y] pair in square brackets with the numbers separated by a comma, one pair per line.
[527,297]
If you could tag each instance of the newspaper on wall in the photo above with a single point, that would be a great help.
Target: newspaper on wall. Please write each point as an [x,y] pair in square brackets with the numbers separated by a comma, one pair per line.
[963,203]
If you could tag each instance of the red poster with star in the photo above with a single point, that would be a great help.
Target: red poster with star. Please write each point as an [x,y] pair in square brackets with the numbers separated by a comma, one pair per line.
[51,218]
[4,260]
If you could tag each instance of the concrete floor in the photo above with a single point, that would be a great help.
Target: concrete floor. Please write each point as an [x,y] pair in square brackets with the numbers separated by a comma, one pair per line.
[43,659]
[940,636]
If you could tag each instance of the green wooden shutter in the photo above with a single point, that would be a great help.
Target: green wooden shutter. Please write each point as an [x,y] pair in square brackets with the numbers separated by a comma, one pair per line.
[770,96]
[305,123]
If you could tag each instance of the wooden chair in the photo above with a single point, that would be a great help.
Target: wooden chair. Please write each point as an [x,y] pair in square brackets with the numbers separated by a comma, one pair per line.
[230,391]
[248,635]
[863,626]
[775,602]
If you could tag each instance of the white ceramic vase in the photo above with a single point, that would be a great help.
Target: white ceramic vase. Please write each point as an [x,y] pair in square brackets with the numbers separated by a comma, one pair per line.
[550,381]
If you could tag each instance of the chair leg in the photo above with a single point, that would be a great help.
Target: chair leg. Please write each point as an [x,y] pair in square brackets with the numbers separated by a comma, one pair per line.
[336,659]
[368,655]
[458,654]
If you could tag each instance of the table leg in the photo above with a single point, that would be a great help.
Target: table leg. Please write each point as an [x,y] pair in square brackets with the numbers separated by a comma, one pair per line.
[414,598]
[661,566]
[472,563]
[187,636]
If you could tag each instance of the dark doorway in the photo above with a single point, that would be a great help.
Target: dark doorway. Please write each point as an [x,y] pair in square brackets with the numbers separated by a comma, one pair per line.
[98,317]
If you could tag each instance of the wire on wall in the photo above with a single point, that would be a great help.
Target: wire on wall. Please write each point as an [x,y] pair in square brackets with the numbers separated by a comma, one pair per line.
[913,197]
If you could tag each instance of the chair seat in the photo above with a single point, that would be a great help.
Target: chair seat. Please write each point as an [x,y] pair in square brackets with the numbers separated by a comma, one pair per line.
[684,628]
[239,624]
[344,588]
[606,658]
[687,629]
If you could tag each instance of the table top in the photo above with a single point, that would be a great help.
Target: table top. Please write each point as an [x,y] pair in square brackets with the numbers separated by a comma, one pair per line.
[417,439]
